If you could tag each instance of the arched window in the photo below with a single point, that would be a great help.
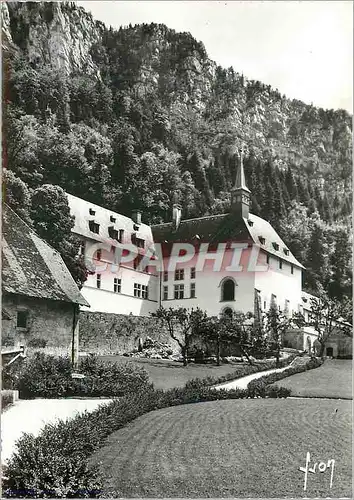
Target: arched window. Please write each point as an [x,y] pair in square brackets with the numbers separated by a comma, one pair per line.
[228,290]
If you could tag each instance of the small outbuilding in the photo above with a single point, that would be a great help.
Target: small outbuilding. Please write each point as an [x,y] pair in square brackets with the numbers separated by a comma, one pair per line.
[40,299]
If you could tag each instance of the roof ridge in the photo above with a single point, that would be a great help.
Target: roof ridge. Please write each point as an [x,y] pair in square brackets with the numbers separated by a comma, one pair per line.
[189,220]
[104,208]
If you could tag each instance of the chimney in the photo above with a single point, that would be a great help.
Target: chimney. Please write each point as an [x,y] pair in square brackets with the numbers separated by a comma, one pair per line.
[176,215]
[136,216]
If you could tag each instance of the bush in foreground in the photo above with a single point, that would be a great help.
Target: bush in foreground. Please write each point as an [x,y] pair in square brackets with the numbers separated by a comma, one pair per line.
[55,464]
[48,376]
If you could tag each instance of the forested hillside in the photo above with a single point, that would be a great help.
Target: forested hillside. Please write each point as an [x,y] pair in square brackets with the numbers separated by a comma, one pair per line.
[140,117]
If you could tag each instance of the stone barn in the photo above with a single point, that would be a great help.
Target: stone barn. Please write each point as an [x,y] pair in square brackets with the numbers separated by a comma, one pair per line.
[40,299]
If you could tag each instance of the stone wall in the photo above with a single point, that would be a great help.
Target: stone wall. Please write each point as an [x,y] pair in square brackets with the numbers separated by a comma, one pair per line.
[108,333]
[49,320]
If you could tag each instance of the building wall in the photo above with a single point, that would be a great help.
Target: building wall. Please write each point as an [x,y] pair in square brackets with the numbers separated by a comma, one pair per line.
[340,346]
[208,285]
[104,333]
[105,299]
[280,282]
[47,319]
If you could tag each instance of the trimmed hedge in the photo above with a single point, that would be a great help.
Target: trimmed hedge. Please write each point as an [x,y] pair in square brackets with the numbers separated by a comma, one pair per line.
[55,464]
[45,376]
[245,370]
[260,386]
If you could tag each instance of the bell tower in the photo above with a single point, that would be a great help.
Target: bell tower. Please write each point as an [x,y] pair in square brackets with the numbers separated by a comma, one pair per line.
[240,194]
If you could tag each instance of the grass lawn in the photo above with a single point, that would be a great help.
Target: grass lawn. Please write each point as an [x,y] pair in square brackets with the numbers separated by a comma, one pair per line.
[331,380]
[166,374]
[232,448]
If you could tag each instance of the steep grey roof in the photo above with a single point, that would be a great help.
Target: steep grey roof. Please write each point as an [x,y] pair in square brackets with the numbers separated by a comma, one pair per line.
[31,267]
[81,210]
[215,228]
[262,228]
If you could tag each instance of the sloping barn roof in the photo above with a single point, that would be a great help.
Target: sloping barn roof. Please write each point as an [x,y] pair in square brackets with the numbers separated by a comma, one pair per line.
[31,267]
[216,228]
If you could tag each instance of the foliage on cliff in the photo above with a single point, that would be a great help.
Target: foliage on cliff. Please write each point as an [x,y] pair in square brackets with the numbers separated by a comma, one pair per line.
[140,117]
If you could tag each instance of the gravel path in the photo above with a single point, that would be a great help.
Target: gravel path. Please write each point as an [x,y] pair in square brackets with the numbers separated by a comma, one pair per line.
[32,415]
[241,383]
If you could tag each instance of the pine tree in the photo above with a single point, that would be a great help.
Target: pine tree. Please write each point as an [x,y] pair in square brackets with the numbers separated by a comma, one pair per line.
[291,186]
[304,195]
[327,209]
[341,276]
[317,265]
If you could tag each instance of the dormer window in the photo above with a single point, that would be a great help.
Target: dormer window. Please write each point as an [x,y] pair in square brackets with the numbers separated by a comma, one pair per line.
[262,240]
[139,242]
[113,233]
[275,246]
[112,218]
[250,222]
[286,251]
[94,227]
[136,227]
[92,211]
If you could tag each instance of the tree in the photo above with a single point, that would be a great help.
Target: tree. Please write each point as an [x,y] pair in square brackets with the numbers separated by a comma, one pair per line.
[317,265]
[235,328]
[276,324]
[295,230]
[215,332]
[182,324]
[340,283]
[241,332]
[327,318]
[51,217]
[17,195]
[290,183]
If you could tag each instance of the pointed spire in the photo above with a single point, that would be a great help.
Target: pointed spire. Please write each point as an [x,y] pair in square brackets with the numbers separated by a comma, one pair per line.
[240,182]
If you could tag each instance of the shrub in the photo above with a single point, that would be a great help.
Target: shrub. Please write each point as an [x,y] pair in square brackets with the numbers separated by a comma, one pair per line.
[55,463]
[50,377]
[6,399]
[37,342]
[244,370]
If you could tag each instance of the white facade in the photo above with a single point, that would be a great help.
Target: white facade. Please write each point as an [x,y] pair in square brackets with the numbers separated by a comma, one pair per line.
[114,287]
[266,269]
[271,283]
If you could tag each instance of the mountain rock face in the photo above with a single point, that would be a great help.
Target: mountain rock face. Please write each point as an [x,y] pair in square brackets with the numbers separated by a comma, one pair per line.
[151,59]
[164,88]
[59,34]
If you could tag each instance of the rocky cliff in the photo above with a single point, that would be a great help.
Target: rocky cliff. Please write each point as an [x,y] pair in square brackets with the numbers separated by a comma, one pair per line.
[59,34]
[164,86]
